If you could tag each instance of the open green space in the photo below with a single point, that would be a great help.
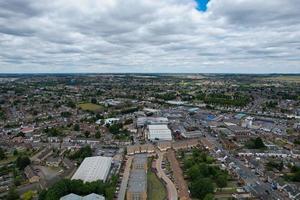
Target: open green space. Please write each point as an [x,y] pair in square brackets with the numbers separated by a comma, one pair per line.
[90,107]
[155,188]
[8,160]
[203,175]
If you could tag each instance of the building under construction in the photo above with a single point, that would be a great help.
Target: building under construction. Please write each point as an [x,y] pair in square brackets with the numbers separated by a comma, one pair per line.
[137,185]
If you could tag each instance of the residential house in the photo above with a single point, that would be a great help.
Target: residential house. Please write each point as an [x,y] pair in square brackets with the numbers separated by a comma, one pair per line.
[31,174]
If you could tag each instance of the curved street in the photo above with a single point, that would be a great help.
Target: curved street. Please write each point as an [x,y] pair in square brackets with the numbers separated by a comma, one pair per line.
[172,192]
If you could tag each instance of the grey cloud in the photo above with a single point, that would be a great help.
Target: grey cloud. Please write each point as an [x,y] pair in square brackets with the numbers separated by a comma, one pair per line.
[17,8]
[149,36]
[257,12]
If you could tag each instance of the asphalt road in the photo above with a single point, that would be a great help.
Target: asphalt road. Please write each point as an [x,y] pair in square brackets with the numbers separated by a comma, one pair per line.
[172,192]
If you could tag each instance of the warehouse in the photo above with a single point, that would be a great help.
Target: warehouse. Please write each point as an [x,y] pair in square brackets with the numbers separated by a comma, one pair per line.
[159,132]
[93,169]
[143,121]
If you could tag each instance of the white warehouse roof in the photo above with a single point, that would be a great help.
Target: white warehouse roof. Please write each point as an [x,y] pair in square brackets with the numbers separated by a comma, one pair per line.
[93,169]
[159,132]
[91,196]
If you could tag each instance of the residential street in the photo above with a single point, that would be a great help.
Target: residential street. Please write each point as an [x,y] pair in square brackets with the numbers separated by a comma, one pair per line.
[172,192]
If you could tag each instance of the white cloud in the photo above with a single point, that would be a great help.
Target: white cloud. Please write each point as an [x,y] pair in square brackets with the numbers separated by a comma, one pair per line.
[149,36]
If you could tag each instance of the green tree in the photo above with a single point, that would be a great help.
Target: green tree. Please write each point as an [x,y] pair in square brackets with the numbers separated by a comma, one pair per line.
[12,194]
[115,128]
[86,134]
[71,104]
[28,195]
[221,180]
[76,127]
[256,143]
[94,100]
[98,135]
[65,114]
[2,154]
[259,143]
[209,197]
[296,177]
[2,115]
[194,172]
[16,152]
[202,187]
[42,195]
[66,186]
[22,162]
[53,132]
[82,153]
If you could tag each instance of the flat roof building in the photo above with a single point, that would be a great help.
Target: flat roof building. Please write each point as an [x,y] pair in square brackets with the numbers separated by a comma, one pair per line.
[159,132]
[93,169]
[91,196]
[135,149]
[143,121]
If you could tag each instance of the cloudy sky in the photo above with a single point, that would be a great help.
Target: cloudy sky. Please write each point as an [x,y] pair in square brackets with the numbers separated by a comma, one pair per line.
[231,36]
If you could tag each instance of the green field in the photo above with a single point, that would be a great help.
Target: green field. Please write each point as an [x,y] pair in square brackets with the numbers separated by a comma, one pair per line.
[90,107]
[8,160]
[155,188]
[295,79]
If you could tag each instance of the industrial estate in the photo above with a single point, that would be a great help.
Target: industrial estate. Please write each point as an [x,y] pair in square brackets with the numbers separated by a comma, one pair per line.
[149,137]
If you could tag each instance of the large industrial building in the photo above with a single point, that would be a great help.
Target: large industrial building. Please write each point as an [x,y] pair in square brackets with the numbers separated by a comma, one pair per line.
[93,169]
[92,196]
[144,121]
[159,132]
[137,185]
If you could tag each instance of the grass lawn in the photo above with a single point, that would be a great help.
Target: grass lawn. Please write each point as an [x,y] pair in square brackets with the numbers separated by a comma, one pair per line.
[155,188]
[8,160]
[90,107]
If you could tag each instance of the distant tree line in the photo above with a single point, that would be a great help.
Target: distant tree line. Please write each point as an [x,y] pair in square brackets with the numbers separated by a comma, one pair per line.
[237,100]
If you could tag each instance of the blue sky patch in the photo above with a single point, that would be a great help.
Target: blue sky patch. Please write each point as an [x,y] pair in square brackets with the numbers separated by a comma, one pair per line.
[202,5]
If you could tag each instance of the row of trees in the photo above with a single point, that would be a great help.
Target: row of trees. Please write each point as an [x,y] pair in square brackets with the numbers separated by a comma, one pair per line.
[203,175]
[272,164]
[294,175]
[67,186]
[115,128]
[166,96]
[53,132]
[65,114]
[237,100]
[2,115]
[2,154]
[256,143]
[81,154]
[22,162]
